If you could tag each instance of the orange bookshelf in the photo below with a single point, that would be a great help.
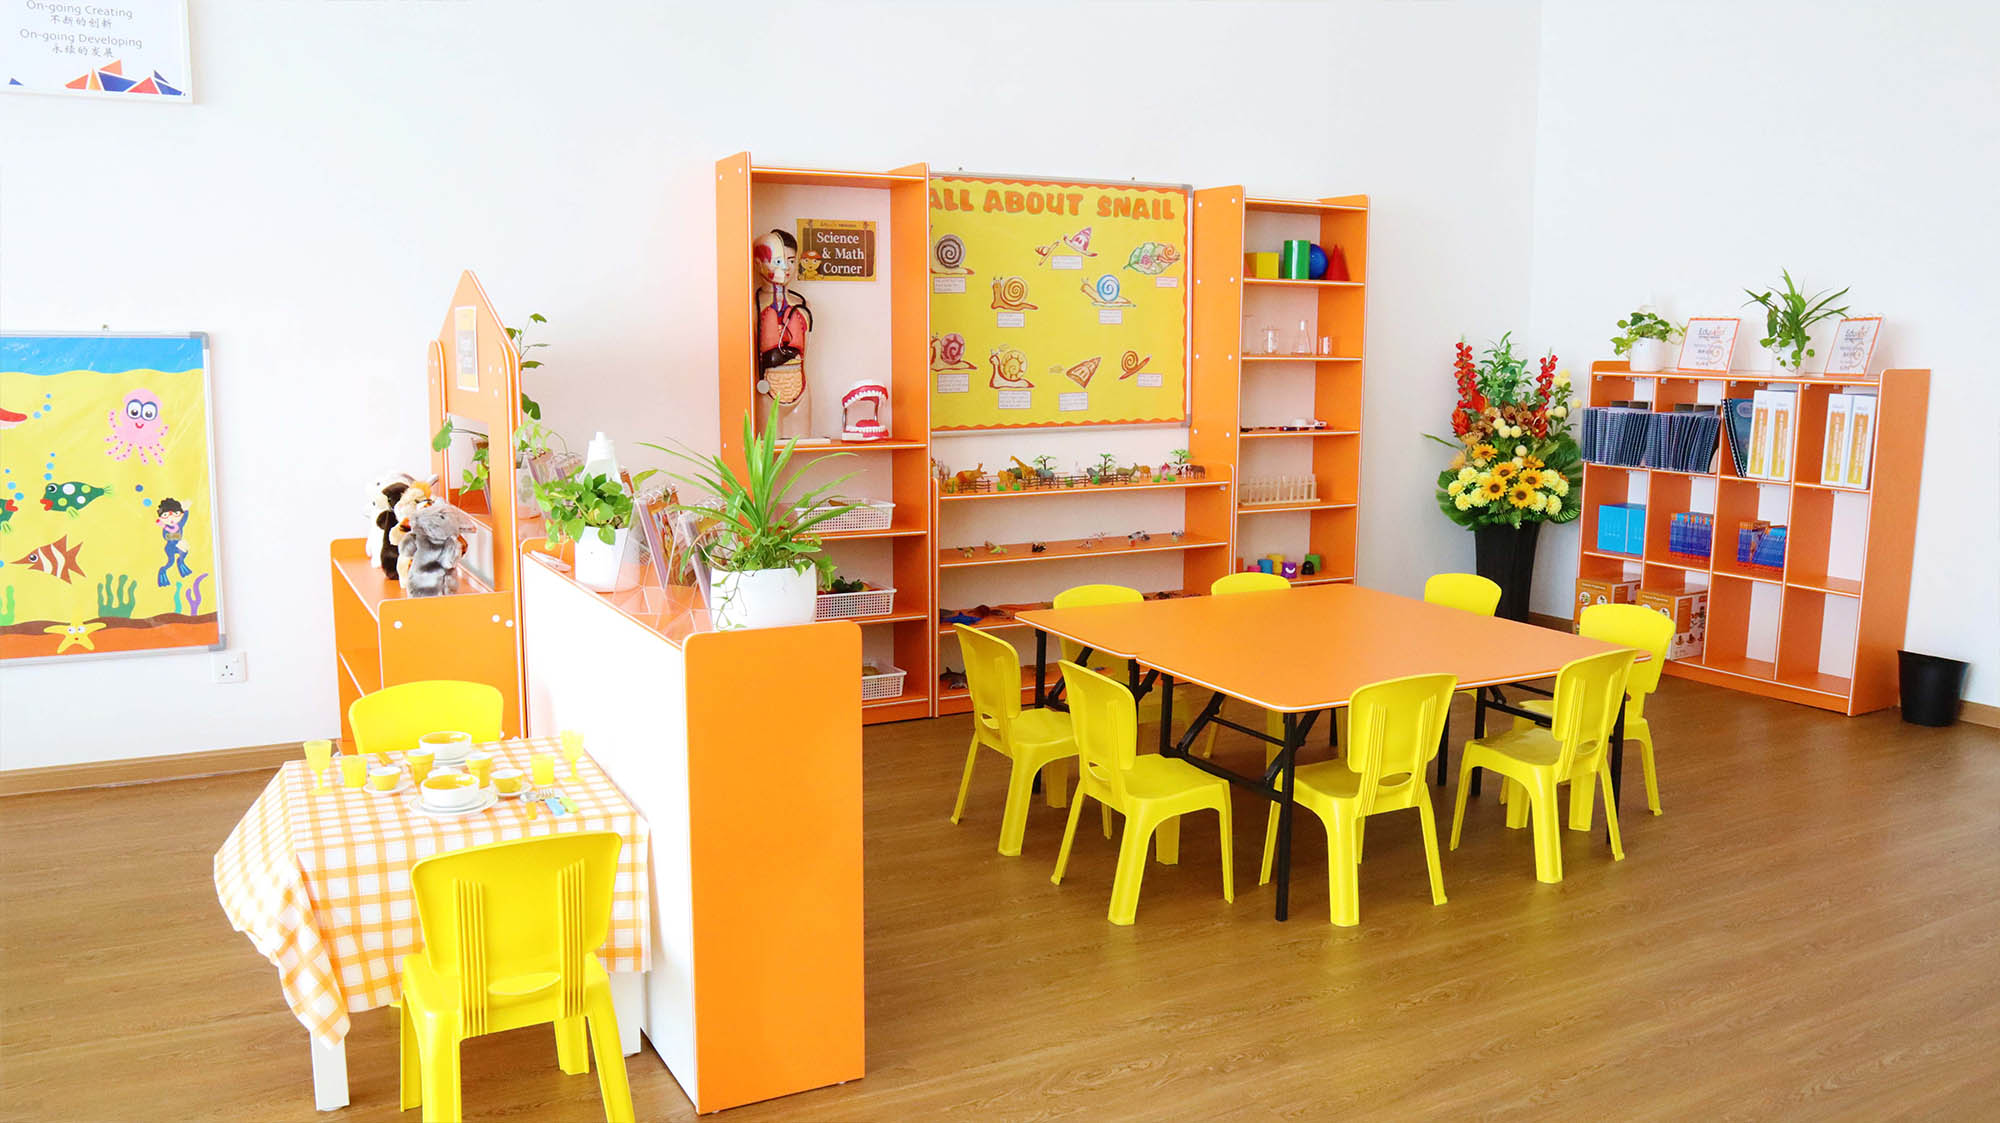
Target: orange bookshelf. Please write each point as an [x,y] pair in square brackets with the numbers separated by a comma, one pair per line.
[381,636]
[1823,629]
[1238,390]
[751,198]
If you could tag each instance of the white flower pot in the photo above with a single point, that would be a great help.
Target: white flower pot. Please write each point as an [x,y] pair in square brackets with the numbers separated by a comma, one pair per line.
[1781,359]
[763,598]
[1648,355]
[609,567]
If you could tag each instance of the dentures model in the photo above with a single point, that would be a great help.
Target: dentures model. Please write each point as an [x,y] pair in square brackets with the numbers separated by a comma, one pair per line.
[861,412]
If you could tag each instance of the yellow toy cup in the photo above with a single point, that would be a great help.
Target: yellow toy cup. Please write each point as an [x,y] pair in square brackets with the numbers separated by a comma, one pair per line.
[384,777]
[420,761]
[572,748]
[480,764]
[544,765]
[353,770]
[319,755]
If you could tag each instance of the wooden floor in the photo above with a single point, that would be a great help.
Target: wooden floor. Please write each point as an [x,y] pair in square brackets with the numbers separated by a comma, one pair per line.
[1811,931]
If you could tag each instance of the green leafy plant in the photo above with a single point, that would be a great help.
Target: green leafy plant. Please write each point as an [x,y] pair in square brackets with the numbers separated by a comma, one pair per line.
[839,584]
[1643,325]
[1789,317]
[758,523]
[530,408]
[1180,457]
[578,503]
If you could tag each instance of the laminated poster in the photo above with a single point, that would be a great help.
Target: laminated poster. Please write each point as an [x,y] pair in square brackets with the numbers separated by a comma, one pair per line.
[107,500]
[1057,304]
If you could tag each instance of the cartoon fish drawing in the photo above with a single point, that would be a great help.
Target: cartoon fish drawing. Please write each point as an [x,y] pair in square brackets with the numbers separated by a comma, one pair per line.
[9,419]
[7,509]
[71,497]
[1153,258]
[57,559]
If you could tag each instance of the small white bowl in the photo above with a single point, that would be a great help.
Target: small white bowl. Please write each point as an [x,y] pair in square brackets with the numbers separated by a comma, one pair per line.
[450,791]
[447,746]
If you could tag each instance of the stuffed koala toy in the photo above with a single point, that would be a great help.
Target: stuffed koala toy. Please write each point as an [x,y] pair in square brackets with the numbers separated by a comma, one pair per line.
[431,549]
[417,495]
[382,513]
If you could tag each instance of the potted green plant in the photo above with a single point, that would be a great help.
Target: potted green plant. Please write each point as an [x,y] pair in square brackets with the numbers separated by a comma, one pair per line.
[1789,317]
[1643,337]
[595,512]
[767,562]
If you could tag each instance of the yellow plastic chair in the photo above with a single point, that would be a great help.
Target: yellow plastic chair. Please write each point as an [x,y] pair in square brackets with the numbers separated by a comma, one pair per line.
[1467,592]
[1588,694]
[1394,727]
[1083,596]
[391,719]
[510,934]
[1032,739]
[1225,585]
[1152,792]
[1627,625]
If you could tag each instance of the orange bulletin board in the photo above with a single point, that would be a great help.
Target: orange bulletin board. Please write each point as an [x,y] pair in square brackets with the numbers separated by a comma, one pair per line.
[1057,303]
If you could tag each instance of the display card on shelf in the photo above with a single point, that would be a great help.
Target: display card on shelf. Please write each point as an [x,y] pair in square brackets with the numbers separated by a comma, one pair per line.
[1852,347]
[1708,343]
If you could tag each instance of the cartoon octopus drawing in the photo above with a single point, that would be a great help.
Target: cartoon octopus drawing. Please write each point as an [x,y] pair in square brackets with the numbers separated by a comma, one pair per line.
[137,428]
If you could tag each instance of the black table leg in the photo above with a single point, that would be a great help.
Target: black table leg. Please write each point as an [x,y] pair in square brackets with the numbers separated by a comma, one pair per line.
[1041,667]
[1333,729]
[1166,713]
[1618,756]
[1293,737]
[1478,730]
[1444,750]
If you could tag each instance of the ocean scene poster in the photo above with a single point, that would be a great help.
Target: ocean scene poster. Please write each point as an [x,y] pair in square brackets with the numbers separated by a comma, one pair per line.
[107,501]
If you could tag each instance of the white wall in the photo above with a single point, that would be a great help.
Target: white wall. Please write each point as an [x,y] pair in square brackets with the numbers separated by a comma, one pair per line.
[1687,151]
[345,161]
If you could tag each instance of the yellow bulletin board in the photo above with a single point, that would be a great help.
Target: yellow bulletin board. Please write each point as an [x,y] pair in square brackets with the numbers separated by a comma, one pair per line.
[1057,304]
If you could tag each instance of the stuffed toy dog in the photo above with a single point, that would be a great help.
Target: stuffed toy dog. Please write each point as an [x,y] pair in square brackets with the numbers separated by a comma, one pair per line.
[417,495]
[382,513]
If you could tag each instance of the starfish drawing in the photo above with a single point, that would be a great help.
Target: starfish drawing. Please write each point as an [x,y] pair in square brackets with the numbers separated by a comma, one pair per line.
[74,634]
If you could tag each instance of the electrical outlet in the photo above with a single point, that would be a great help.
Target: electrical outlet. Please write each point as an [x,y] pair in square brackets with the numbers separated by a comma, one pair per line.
[228,667]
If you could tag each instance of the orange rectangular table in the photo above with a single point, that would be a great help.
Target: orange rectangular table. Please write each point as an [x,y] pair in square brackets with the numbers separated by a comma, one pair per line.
[1298,652]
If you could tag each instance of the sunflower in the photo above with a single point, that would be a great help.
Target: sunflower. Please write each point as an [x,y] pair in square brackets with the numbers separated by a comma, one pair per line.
[1492,487]
[1522,496]
[1483,452]
[1533,462]
[1503,470]
[1530,478]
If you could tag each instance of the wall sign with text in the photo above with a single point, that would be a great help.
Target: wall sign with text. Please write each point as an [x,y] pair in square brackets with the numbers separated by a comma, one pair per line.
[1852,347]
[132,49]
[836,249]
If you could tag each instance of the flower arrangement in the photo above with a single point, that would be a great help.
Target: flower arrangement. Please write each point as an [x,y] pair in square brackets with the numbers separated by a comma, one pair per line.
[1515,460]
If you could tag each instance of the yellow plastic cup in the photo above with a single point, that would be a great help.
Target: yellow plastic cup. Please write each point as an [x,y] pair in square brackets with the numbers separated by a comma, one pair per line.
[480,764]
[508,781]
[420,761]
[572,748]
[353,770]
[319,755]
[544,766]
[384,777]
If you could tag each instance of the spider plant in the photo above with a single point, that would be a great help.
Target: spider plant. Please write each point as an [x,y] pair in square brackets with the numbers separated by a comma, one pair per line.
[757,522]
[1789,317]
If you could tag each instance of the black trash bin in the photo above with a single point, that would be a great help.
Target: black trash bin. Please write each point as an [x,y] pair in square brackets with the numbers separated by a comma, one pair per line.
[1931,686]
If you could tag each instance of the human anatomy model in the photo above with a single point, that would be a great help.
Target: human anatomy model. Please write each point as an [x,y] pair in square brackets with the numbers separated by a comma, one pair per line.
[783,322]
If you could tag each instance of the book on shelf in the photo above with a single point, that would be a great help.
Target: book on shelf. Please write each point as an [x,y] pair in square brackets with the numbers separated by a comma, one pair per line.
[1737,414]
[1833,457]
[1861,442]
[1771,423]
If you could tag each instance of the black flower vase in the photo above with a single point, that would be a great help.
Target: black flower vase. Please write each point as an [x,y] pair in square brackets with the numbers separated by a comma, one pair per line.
[1505,555]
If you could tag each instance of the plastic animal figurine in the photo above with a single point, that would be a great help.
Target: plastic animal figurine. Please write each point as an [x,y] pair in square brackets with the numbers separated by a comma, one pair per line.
[1142,474]
[968,480]
[431,551]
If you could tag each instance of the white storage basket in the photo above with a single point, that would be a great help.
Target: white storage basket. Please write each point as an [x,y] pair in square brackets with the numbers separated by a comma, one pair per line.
[877,687]
[845,606]
[872,514]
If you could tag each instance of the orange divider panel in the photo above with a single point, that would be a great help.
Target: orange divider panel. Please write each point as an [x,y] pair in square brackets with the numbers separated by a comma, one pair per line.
[774,782]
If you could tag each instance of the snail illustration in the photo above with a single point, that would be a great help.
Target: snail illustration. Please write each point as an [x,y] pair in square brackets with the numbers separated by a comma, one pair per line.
[1130,363]
[1011,294]
[1104,293]
[948,255]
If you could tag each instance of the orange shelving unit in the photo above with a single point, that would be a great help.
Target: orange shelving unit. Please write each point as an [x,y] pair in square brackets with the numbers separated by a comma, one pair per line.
[381,636]
[896,350]
[1255,394]
[1822,630]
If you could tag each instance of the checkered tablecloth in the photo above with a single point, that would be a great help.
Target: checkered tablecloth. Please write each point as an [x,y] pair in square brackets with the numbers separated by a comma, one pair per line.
[321,883]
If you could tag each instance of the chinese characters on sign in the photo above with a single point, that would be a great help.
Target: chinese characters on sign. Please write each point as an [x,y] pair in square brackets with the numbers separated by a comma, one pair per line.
[110,48]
